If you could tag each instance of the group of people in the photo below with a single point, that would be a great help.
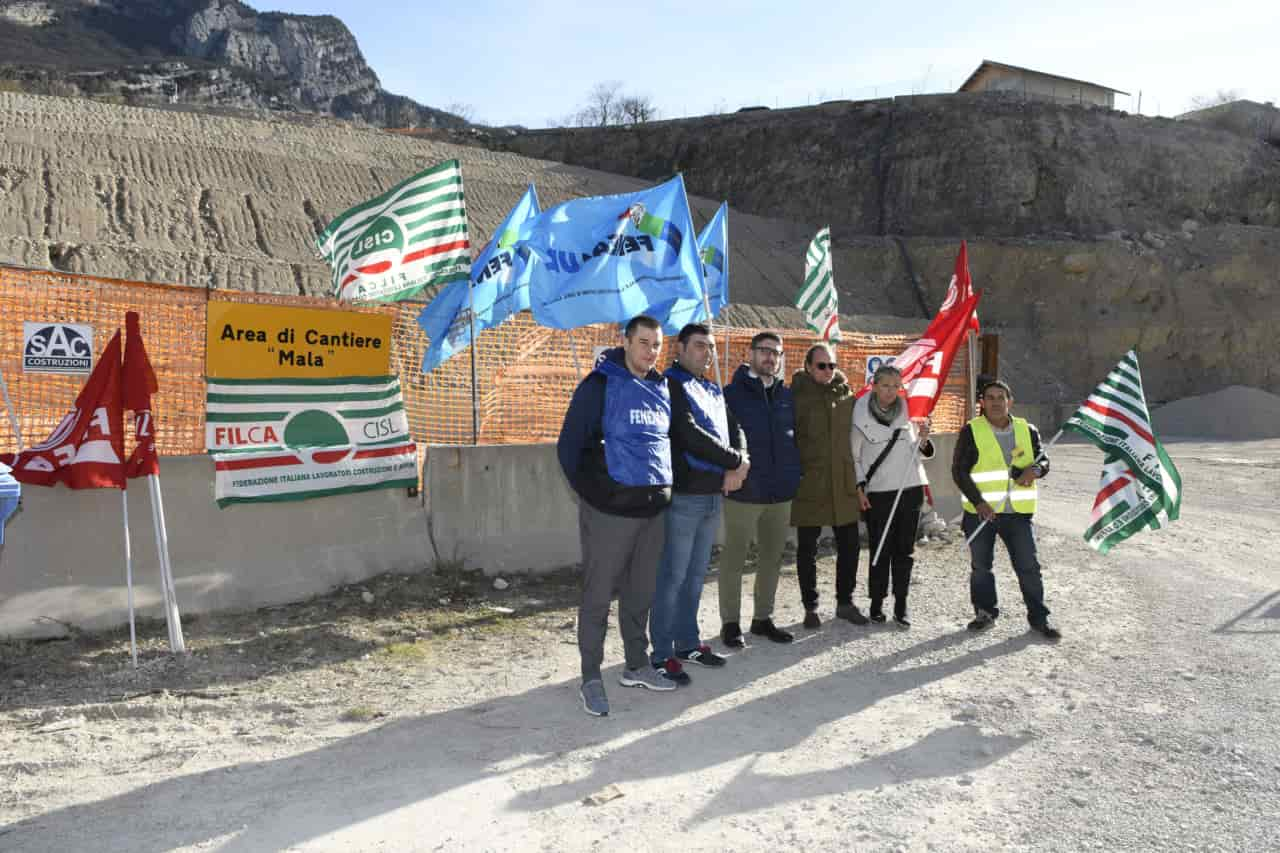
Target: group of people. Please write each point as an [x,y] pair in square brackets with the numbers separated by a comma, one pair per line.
[657,458]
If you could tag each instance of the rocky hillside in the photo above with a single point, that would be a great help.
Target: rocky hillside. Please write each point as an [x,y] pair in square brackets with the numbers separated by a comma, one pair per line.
[1091,230]
[199,53]
[978,165]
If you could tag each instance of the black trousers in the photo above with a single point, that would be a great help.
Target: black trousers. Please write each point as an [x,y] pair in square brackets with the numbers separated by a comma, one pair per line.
[846,563]
[898,555]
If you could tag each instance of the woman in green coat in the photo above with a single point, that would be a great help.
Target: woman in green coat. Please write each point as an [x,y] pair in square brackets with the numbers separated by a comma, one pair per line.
[828,495]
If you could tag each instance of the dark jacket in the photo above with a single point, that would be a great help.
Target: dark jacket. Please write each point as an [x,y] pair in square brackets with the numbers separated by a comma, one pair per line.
[714,456]
[583,455]
[828,493]
[769,420]
[966,456]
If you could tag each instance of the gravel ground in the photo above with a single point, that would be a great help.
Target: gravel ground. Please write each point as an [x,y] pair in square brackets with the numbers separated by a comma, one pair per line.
[433,719]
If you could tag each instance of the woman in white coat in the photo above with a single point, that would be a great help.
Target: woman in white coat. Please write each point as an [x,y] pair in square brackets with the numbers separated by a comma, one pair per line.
[884,443]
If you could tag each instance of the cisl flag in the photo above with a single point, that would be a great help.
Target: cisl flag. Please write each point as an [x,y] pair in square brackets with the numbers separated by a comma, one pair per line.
[139,384]
[86,450]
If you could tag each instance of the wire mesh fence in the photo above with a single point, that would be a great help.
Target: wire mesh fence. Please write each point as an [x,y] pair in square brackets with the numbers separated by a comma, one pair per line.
[525,373]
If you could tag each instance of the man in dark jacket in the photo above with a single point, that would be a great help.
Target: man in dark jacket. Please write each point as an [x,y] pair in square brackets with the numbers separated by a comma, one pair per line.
[997,460]
[708,452]
[615,450]
[761,509]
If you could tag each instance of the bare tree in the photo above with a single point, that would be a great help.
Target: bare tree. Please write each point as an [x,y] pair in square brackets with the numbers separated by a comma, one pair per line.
[637,109]
[1222,96]
[603,104]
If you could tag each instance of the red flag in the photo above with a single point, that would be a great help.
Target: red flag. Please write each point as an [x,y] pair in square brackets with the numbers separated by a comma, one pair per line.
[960,289]
[139,384]
[929,372]
[86,448]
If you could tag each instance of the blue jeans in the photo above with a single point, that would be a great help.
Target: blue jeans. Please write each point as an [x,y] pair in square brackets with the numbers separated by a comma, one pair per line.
[692,521]
[1017,531]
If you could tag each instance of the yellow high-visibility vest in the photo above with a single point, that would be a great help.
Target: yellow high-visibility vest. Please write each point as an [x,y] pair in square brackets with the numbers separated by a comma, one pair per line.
[991,473]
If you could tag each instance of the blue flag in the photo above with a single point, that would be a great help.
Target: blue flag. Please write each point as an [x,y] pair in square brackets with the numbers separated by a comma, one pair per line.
[608,258]
[713,247]
[500,277]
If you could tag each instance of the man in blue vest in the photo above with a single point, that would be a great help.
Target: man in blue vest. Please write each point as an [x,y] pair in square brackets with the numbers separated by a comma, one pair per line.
[615,451]
[997,460]
[709,456]
[761,509]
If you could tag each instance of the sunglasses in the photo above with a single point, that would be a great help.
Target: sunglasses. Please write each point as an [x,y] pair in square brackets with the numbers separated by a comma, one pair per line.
[825,365]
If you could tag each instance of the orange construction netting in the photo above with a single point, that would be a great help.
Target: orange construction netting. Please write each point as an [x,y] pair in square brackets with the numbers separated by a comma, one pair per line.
[525,373]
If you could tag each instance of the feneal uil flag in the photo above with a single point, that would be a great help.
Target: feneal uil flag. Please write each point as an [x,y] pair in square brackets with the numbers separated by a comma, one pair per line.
[1141,489]
[713,247]
[500,281]
[817,300]
[412,236]
[608,258]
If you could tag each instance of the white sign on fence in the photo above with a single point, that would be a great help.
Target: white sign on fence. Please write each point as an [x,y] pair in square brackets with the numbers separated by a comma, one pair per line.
[57,348]
[875,362]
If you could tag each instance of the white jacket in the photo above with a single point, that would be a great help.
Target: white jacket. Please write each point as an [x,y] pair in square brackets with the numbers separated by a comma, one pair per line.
[868,437]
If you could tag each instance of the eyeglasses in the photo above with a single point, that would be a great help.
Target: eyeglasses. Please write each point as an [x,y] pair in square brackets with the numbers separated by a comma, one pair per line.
[825,365]
[768,351]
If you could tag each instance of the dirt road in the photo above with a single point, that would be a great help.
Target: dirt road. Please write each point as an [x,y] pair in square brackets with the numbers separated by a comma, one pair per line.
[411,724]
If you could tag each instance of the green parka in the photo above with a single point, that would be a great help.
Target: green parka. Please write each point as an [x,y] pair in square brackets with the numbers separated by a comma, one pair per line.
[828,487]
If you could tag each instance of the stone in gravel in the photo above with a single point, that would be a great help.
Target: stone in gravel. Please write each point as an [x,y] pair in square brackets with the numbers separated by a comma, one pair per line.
[500,584]
[366,597]
[604,795]
[1078,801]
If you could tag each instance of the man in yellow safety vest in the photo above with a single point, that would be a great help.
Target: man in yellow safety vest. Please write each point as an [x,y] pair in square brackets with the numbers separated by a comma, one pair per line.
[997,460]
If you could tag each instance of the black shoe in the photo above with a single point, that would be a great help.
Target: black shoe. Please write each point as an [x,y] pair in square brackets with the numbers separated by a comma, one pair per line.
[877,611]
[731,636]
[902,620]
[702,656]
[766,628]
[673,672]
[852,613]
[900,612]
[1047,631]
[811,619]
[982,621]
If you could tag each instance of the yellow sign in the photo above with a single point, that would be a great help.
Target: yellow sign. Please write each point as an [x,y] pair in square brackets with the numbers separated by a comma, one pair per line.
[278,342]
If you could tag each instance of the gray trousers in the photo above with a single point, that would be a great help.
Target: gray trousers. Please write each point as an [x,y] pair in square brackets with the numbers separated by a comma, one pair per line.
[619,557]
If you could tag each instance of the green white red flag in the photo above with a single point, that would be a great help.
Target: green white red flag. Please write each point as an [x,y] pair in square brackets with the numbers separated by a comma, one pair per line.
[1140,489]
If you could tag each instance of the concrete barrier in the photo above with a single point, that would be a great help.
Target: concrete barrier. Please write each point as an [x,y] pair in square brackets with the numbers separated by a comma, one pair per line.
[501,509]
[64,555]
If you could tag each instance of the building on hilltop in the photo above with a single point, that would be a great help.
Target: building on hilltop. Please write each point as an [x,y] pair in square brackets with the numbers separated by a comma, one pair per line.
[999,77]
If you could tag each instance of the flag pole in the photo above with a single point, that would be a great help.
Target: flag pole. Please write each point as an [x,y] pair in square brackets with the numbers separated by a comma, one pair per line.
[884,534]
[13,414]
[972,406]
[475,400]
[706,305]
[1008,488]
[128,576]
[172,617]
[573,353]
